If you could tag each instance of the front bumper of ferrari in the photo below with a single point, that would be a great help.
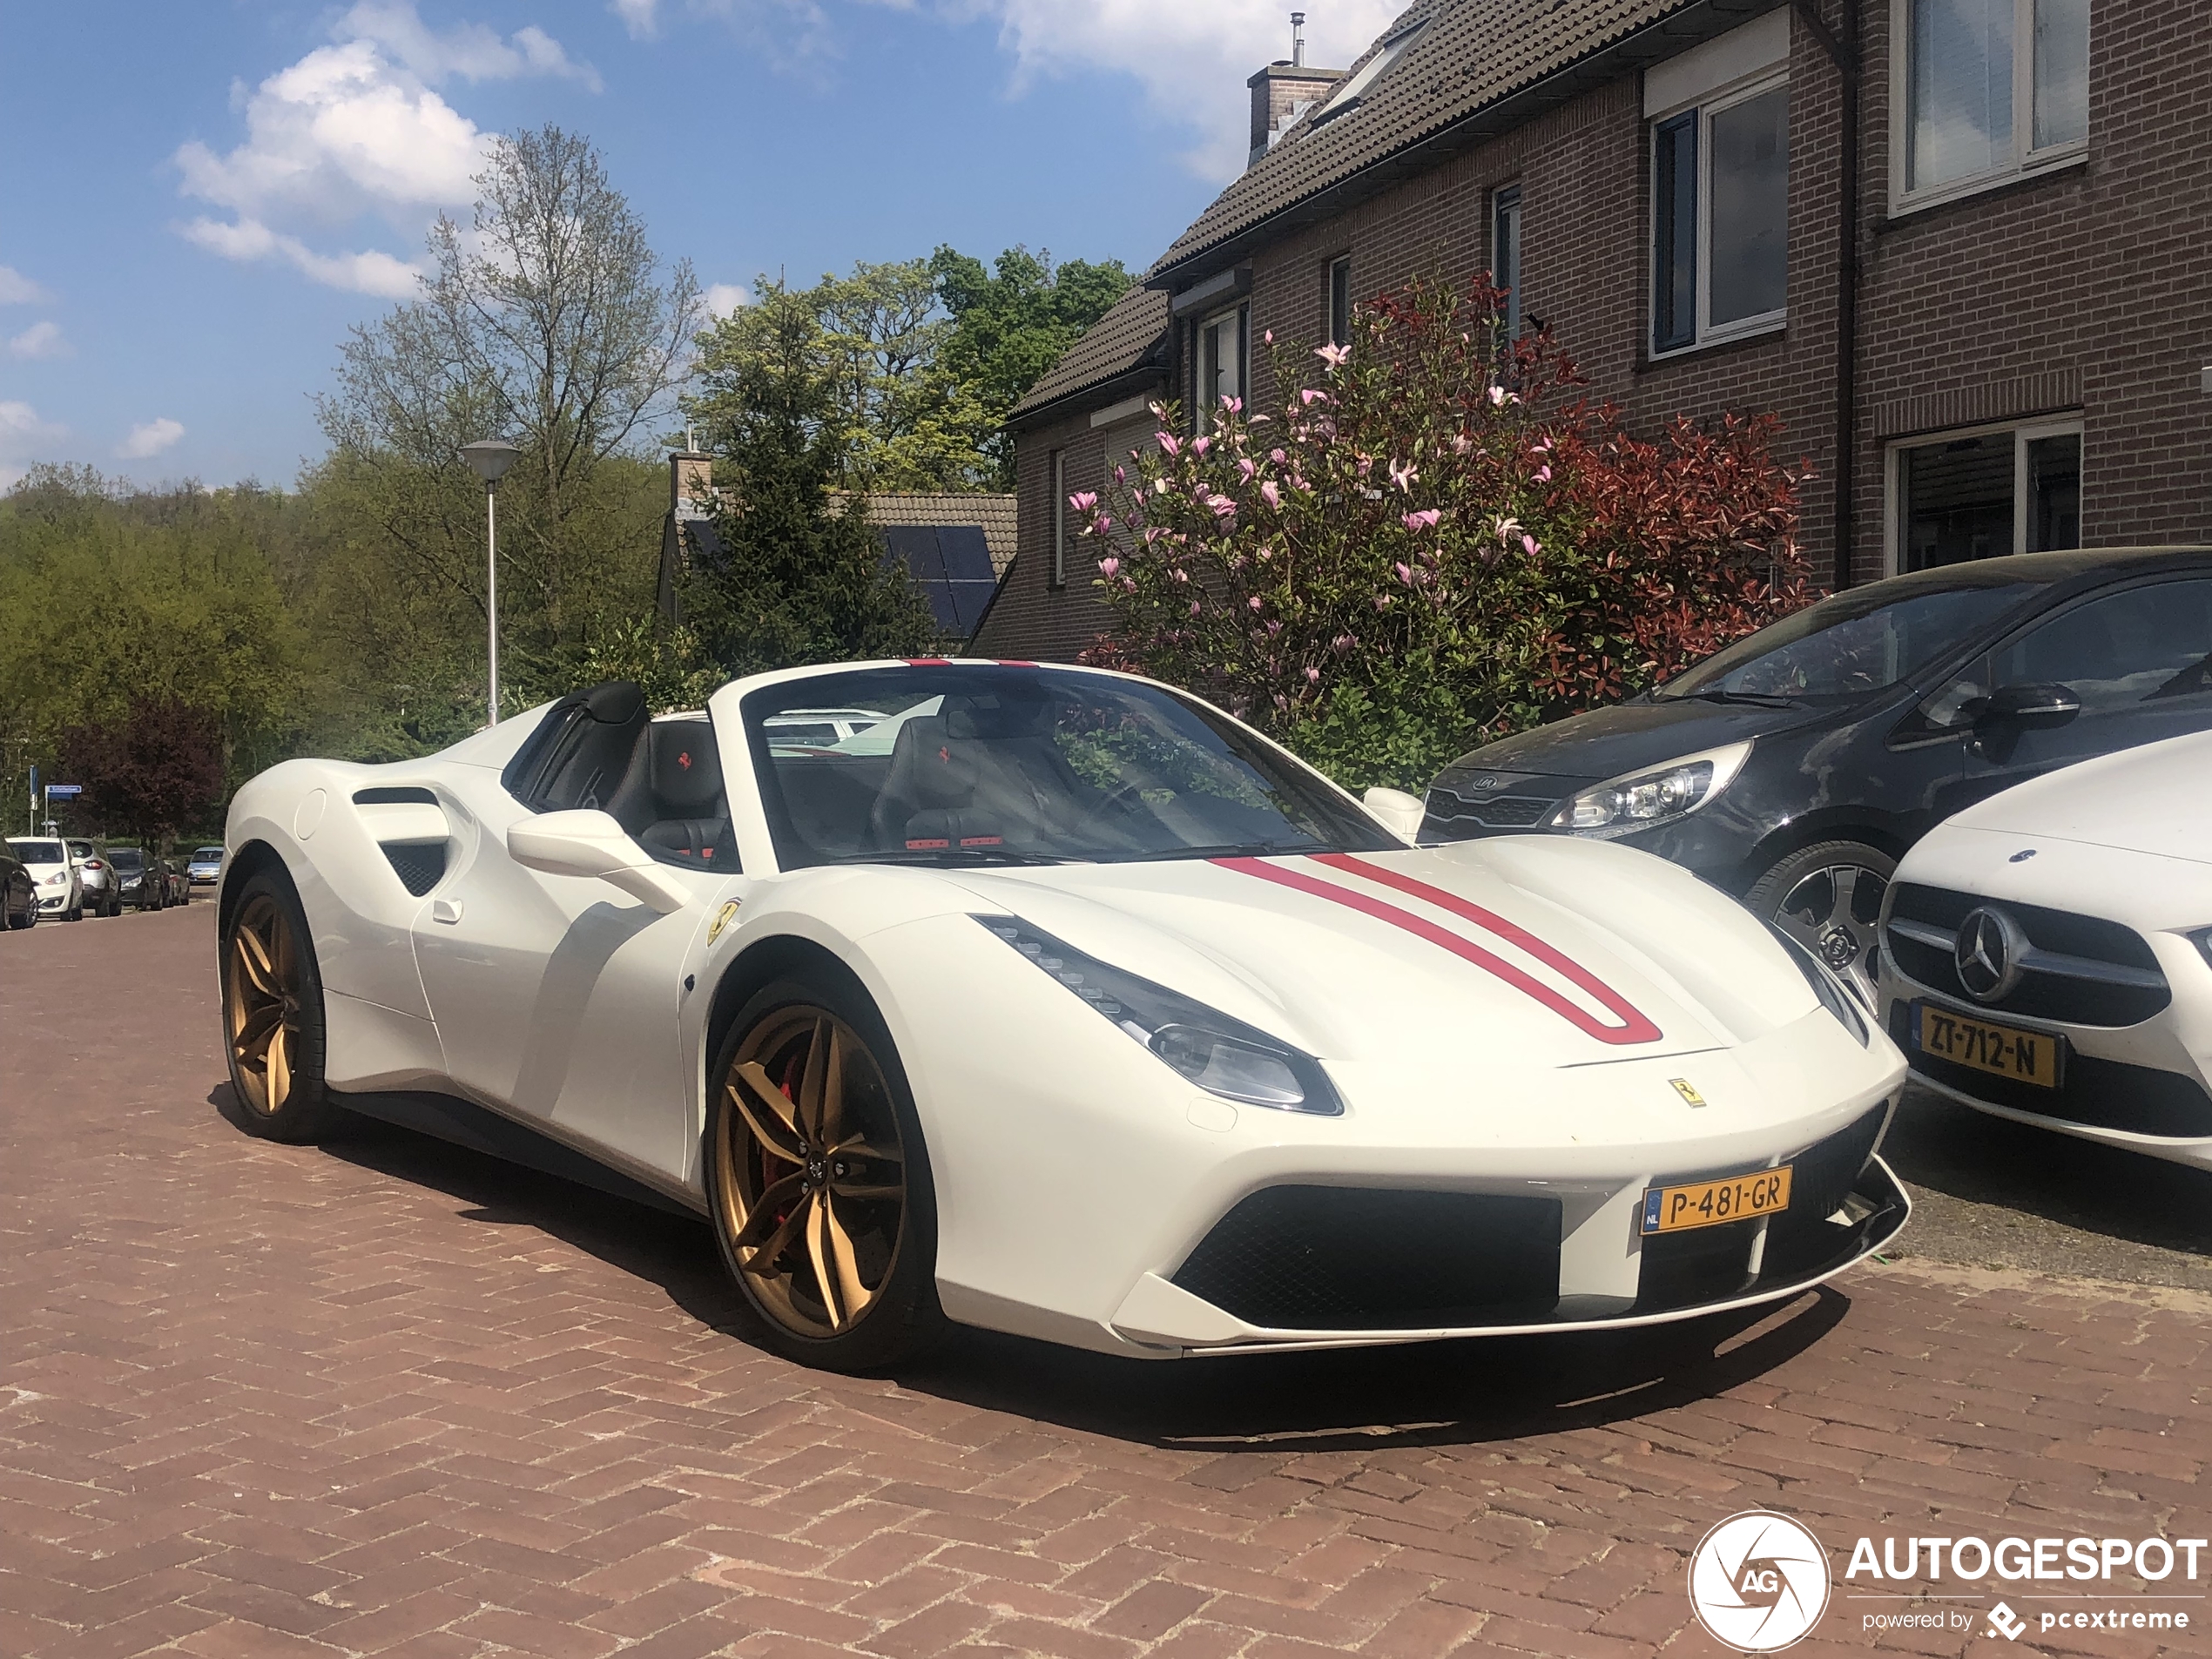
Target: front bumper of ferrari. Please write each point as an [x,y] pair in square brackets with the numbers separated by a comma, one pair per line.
[1259,1282]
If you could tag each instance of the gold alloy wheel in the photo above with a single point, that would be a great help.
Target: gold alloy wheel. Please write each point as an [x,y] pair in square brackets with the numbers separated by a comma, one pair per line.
[810,1188]
[261,1004]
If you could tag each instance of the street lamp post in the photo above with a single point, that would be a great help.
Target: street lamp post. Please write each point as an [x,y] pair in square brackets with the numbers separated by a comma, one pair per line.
[491,457]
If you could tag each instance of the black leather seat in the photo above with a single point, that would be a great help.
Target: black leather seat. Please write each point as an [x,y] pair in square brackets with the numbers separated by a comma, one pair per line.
[583,752]
[690,822]
[974,775]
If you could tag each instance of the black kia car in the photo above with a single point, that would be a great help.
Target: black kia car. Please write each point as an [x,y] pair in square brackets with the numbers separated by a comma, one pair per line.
[1795,767]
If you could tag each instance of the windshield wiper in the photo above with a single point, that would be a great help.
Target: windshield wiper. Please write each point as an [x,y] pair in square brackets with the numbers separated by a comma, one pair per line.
[1224,850]
[962,855]
[1758,699]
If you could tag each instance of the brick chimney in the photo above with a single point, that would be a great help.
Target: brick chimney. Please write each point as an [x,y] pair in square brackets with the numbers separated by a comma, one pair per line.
[1286,89]
[691,484]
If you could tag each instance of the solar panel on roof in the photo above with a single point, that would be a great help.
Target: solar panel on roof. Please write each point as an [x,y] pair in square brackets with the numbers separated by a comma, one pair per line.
[915,546]
[968,556]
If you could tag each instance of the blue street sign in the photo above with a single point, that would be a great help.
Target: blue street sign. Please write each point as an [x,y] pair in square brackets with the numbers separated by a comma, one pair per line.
[64,789]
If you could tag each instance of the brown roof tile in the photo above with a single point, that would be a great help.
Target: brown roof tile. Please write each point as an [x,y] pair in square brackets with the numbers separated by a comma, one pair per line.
[1475,55]
[1116,344]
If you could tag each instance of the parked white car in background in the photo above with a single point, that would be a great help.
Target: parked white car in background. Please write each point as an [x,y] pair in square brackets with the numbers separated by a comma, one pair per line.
[97,876]
[1058,1002]
[2047,953]
[60,890]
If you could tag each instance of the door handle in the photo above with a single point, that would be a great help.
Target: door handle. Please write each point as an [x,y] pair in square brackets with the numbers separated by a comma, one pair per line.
[445,910]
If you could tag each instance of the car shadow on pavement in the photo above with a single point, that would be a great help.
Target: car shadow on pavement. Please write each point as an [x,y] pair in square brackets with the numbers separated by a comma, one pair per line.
[2014,1167]
[1453,1392]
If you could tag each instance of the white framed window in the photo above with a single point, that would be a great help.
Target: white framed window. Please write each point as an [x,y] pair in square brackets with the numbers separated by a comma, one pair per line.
[1056,465]
[1720,217]
[1504,255]
[1346,98]
[1983,492]
[1987,90]
[1223,362]
[1339,301]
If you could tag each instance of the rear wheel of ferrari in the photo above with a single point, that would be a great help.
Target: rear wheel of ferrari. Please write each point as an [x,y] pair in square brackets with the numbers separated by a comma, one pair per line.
[273,1014]
[817,1179]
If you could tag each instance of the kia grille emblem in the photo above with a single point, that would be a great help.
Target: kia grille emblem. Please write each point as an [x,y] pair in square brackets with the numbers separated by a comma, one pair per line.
[1988,955]
[1486,784]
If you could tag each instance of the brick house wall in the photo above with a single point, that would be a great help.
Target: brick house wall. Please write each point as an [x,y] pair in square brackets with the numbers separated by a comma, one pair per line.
[2086,290]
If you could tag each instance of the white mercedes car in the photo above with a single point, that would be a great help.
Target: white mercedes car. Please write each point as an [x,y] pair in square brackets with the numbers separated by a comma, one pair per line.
[1059,1002]
[2047,953]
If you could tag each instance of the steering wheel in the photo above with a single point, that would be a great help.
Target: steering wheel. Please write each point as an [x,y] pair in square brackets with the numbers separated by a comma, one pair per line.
[1118,797]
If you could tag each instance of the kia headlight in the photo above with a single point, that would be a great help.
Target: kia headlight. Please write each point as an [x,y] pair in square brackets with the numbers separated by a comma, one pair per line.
[1642,799]
[1219,1053]
[1835,996]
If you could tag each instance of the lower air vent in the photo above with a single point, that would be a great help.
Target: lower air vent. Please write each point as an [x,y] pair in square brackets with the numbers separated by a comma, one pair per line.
[1344,1258]
[420,866]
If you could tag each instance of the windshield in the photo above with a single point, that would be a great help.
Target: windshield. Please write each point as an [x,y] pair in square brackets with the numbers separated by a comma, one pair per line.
[207,855]
[990,763]
[126,858]
[1852,643]
[37,852]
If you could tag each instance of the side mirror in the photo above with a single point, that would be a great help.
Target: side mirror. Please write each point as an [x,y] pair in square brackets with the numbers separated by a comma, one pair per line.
[592,845]
[1401,813]
[2030,706]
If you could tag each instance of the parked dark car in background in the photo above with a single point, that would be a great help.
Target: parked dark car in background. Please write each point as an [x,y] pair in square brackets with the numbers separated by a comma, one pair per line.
[103,895]
[1794,768]
[143,881]
[18,893]
[179,883]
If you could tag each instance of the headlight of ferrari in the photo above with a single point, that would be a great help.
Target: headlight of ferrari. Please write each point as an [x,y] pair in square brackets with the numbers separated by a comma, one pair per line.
[1640,800]
[1221,1055]
[1837,998]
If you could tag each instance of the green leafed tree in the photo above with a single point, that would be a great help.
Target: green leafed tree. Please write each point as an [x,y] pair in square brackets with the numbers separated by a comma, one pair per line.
[802,577]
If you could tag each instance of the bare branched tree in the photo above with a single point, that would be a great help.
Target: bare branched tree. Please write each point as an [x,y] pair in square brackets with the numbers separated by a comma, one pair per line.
[549,320]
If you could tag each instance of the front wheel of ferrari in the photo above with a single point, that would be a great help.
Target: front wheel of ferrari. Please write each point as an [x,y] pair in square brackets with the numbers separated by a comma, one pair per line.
[273,1014]
[817,1179]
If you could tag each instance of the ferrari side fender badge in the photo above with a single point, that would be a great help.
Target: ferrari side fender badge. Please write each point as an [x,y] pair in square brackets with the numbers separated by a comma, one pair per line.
[1683,1088]
[723,918]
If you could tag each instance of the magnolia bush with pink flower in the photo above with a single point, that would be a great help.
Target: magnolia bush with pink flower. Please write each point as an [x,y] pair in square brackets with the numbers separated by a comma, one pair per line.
[1428,539]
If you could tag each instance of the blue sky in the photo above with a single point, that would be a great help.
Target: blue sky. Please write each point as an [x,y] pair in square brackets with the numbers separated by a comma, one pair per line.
[201,198]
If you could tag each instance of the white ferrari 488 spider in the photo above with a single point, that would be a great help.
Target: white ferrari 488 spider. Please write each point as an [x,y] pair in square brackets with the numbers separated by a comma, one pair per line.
[1056,1001]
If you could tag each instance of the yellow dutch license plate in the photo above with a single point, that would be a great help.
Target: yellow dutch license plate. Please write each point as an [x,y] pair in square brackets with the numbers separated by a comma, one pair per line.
[1712,1203]
[2001,1050]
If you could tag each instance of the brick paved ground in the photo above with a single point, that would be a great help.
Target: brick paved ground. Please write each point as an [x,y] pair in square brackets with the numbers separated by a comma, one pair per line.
[388,1398]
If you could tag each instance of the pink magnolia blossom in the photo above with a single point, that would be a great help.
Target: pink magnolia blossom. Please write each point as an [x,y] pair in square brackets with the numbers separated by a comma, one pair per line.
[1273,628]
[1246,469]
[1310,397]
[1082,501]
[1105,522]
[1254,603]
[1170,444]
[1461,444]
[1530,545]
[1180,575]
[1334,356]
[1194,607]
[1402,474]
[1277,457]
[1199,446]
[1223,507]
[1121,475]
[1543,474]
[1109,567]
[1271,495]
[1405,573]
[1425,520]
[1312,676]
[1234,405]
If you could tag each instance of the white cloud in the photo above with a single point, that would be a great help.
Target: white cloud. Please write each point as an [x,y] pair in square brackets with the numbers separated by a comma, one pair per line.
[150,438]
[1191,56]
[23,435]
[41,339]
[16,289]
[358,129]
[641,18]
[722,298]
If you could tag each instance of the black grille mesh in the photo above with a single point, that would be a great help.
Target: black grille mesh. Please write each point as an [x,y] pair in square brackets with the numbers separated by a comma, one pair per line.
[420,866]
[1318,1259]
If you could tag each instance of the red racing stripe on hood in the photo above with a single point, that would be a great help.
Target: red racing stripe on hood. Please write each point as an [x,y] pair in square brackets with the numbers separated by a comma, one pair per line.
[1635,1027]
